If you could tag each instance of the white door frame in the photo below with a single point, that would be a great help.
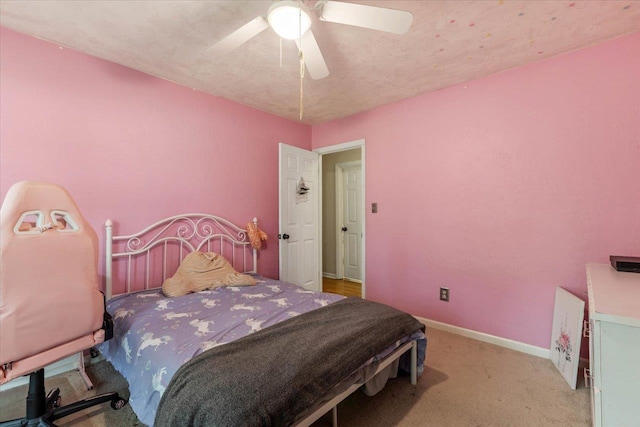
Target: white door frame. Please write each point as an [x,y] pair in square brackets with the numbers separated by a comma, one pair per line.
[359,143]
[339,192]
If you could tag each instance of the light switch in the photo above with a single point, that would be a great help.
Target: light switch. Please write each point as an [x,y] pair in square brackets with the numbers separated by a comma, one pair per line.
[374,208]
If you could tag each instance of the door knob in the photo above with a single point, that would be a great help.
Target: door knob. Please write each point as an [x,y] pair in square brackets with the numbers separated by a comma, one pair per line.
[285,236]
[344,228]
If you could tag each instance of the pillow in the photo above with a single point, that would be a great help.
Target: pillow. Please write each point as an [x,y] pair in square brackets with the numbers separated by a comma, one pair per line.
[200,271]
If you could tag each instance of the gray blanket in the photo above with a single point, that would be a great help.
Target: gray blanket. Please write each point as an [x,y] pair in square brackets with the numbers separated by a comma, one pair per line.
[269,377]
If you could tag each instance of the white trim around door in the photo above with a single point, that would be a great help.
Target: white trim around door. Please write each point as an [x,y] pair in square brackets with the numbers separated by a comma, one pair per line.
[359,143]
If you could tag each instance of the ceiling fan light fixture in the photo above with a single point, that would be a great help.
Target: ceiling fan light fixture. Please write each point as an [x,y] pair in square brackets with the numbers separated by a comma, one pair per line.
[288,19]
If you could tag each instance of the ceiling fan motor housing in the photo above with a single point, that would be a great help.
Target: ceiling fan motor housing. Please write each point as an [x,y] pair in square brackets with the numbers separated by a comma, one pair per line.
[289,19]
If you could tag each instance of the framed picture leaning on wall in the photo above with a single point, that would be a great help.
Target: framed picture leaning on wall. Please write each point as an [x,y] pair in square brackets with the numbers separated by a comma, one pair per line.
[566,335]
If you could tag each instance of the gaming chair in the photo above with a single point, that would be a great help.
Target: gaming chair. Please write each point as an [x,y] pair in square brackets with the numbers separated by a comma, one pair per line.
[51,306]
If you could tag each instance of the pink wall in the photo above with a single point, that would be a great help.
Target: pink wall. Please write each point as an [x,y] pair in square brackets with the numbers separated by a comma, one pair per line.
[135,148]
[502,189]
[510,183]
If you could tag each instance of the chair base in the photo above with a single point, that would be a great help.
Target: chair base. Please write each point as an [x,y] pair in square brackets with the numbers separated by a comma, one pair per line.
[43,410]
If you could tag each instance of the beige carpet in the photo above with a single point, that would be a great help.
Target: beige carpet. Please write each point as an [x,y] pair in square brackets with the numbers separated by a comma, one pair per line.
[466,383]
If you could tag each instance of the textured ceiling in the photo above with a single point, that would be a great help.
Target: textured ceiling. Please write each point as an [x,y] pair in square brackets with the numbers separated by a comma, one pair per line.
[449,42]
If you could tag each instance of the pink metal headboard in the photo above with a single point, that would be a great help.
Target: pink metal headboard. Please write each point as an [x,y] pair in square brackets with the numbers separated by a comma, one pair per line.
[145,259]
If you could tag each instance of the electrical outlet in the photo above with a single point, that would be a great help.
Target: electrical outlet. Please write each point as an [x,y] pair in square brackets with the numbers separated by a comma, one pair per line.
[444,294]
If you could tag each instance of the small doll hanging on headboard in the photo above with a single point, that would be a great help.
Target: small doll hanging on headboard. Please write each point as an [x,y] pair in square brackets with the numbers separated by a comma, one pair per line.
[256,236]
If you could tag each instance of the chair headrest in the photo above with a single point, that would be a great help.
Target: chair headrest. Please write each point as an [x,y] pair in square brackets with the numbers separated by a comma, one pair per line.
[32,207]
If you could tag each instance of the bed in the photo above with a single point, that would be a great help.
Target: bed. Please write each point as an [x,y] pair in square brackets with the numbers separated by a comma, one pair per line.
[268,354]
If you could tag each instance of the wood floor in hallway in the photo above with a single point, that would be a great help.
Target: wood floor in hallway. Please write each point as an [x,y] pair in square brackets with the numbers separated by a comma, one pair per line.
[342,287]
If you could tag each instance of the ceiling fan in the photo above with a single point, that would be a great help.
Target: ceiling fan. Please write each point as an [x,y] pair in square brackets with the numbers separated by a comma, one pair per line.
[290,19]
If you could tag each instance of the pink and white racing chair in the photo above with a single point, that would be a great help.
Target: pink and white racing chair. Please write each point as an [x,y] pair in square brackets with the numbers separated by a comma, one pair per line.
[51,306]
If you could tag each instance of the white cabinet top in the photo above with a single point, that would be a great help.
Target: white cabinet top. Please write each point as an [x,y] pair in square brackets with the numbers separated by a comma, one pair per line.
[614,296]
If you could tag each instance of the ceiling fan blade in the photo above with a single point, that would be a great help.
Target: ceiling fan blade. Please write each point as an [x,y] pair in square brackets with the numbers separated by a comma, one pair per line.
[312,56]
[239,36]
[360,15]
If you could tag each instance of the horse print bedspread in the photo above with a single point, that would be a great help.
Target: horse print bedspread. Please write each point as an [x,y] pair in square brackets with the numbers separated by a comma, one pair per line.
[155,335]
[272,376]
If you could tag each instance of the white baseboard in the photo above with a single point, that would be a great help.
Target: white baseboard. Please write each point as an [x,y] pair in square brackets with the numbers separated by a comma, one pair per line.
[491,339]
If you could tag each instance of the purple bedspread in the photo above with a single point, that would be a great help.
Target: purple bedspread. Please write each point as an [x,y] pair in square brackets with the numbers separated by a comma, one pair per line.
[304,359]
[154,335]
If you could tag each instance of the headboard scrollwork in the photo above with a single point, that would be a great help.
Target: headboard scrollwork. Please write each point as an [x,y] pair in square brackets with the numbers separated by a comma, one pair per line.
[143,260]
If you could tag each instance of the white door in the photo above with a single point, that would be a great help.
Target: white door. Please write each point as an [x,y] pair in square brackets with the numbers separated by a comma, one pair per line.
[299,217]
[352,222]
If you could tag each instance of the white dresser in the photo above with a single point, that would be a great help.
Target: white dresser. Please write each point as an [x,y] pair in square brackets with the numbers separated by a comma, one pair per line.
[614,346]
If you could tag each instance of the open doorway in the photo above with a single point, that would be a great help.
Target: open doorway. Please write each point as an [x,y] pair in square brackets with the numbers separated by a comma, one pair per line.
[342,211]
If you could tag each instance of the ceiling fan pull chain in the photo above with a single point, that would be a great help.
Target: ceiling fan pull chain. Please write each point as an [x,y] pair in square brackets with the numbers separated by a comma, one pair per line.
[301,55]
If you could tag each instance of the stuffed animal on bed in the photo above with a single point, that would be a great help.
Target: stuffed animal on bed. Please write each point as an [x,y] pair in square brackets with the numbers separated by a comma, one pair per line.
[200,271]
